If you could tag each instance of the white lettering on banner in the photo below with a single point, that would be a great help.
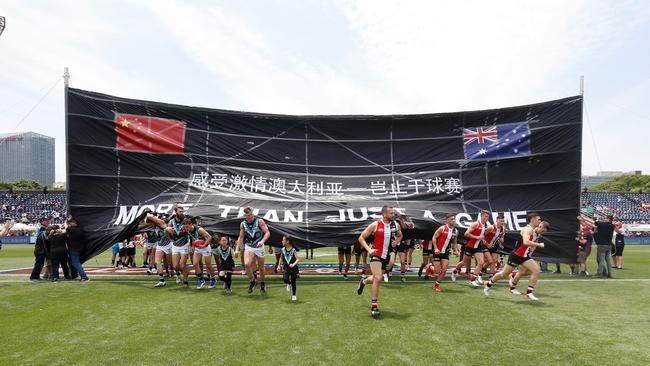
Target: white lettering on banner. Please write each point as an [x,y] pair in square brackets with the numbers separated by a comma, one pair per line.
[334,188]
[435,185]
[226,210]
[218,181]
[271,215]
[200,180]
[296,187]
[519,219]
[264,184]
[464,220]
[129,213]
[452,185]
[378,188]
[278,186]
[258,184]
[315,188]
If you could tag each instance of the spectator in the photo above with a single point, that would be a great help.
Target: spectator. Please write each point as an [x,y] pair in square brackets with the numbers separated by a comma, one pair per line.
[75,246]
[41,250]
[619,244]
[603,237]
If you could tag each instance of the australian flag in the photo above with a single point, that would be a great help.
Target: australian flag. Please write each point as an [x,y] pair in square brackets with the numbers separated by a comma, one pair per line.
[508,140]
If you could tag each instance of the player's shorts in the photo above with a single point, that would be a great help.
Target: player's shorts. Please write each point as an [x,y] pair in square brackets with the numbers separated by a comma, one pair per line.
[470,251]
[494,249]
[400,248]
[115,248]
[206,251]
[618,250]
[183,249]
[582,257]
[483,248]
[226,265]
[427,252]
[167,248]
[259,252]
[150,245]
[515,260]
[345,250]
[383,261]
[441,257]
[122,252]
[410,244]
[359,249]
[288,271]
[130,251]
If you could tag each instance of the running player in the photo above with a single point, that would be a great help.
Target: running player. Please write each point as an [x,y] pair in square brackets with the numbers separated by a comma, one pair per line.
[493,242]
[427,257]
[475,234]
[180,245]
[444,238]
[386,233]
[289,263]
[253,234]
[514,278]
[225,262]
[360,253]
[520,257]
[344,251]
[153,236]
[200,239]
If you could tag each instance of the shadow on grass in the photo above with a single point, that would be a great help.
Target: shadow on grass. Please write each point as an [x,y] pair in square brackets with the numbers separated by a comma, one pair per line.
[387,314]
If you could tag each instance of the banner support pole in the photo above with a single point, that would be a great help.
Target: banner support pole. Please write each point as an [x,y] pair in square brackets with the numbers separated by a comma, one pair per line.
[66,81]
[582,85]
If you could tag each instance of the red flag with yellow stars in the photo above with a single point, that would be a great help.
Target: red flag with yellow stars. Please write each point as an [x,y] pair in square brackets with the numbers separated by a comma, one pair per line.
[149,134]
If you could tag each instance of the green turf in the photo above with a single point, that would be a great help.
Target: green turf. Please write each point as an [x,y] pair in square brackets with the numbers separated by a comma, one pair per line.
[121,321]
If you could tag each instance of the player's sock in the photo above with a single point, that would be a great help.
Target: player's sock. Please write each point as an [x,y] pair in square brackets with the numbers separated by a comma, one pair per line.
[514,285]
[489,283]
[293,286]
[161,278]
[373,304]
[530,289]
[228,280]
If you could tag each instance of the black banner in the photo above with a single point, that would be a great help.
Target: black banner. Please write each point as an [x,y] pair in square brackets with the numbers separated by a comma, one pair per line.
[322,179]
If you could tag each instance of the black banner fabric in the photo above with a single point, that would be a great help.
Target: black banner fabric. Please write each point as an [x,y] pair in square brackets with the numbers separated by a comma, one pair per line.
[322,179]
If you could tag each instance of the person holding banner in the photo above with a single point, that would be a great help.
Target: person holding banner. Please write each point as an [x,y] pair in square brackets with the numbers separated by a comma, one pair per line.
[253,234]
[520,257]
[386,233]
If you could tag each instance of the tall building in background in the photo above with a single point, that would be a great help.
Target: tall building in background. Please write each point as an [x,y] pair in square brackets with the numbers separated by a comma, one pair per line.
[28,156]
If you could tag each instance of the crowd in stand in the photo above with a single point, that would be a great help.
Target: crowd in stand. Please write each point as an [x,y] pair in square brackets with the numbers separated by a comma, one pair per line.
[30,206]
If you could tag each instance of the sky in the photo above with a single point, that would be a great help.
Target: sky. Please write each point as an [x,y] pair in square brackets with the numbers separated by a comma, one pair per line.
[336,57]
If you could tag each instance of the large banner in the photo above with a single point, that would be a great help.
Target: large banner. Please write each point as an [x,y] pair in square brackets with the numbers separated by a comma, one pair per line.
[322,179]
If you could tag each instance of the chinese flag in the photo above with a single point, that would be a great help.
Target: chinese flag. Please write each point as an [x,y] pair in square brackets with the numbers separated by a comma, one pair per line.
[149,134]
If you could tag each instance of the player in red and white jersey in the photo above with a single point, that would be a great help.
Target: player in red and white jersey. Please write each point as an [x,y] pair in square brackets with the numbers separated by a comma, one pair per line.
[475,234]
[520,257]
[427,256]
[444,238]
[515,277]
[493,241]
[386,233]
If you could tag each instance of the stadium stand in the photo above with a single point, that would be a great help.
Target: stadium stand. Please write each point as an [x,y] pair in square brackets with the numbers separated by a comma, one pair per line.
[626,207]
[29,206]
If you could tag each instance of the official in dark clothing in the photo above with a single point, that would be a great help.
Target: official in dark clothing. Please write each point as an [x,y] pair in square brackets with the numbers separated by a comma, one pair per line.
[603,237]
[58,253]
[41,250]
[76,245]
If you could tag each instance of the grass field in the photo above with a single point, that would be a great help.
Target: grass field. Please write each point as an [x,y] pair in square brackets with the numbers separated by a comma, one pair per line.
[124,320]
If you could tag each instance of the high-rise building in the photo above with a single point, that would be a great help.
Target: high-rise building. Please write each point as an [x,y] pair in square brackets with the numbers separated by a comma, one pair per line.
[28,156]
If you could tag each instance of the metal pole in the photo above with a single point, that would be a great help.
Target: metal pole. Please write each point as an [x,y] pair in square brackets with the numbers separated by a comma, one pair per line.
[66,81]
[582,85]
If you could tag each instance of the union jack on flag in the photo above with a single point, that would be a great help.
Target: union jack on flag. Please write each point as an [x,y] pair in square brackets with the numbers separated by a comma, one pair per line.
[509,140]
[480,135]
